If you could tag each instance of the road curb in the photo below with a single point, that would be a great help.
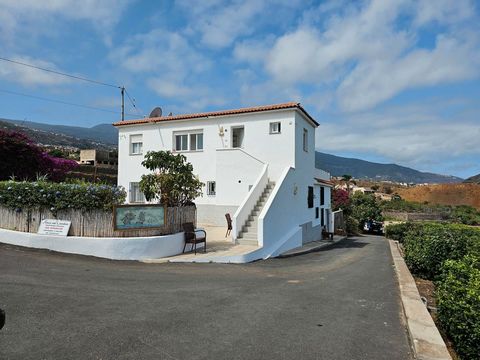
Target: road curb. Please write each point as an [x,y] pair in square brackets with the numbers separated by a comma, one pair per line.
[308,248]
[425,338]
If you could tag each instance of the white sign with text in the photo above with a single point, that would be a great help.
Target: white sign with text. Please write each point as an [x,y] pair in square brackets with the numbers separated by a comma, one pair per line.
[54,227]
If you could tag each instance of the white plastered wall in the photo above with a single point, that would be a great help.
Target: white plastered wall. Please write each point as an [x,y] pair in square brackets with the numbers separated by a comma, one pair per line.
[226,168]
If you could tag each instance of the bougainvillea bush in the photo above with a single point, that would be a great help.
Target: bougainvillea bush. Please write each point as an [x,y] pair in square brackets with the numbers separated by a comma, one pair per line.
[59,196]
[23,159]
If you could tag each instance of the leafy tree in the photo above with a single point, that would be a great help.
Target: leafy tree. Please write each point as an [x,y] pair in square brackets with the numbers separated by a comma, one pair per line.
[172,181]
[365,207]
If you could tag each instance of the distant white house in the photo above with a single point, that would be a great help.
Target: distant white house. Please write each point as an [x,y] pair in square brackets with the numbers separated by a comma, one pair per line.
[258,164]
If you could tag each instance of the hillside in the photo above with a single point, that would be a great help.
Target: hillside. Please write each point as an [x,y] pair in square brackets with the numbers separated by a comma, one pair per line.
[444,194]
[473,179]
[65,136]
[361,169]
[103,133]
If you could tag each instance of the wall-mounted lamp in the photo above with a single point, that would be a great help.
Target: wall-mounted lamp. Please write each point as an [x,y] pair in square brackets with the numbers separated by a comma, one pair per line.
[295,189]
[220,131]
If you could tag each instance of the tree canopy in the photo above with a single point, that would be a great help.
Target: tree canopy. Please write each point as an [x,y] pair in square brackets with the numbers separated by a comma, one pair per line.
[172,181]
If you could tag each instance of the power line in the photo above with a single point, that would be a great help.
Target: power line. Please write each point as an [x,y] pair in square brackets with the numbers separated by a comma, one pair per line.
[122,88]
[63,102]
[132,101]
[60,73]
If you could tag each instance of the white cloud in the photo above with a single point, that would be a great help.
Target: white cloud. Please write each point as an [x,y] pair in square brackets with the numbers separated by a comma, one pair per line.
[32,17]
[220,23]
[420,133]
[29,76]
[368,56]
[169,65]
[371,83]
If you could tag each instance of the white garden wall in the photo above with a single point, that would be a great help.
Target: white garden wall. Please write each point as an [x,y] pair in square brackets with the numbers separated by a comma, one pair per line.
[111,248]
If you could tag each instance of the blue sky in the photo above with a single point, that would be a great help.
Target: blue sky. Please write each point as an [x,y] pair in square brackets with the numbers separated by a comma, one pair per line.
[388,80]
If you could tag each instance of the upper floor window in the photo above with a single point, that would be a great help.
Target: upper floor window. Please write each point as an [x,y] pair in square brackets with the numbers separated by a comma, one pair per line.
[305,140]
[188,141]
[322,195]
[136,144]
[275,127]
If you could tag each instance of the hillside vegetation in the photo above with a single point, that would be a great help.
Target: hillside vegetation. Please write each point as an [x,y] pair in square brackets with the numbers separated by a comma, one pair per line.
[361,169]
[444,194]
[473,179]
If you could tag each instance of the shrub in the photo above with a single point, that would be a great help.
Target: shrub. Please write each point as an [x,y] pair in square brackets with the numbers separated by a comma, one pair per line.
[398,231]
[59,196]
[340,199]
[466,215]
[24,159]
[458,302]
[428,245]
[352,225]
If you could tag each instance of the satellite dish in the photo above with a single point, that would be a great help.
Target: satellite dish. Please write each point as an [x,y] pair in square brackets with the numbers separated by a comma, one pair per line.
[157,112]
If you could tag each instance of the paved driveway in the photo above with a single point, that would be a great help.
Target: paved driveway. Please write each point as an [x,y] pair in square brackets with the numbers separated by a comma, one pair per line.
[338,303]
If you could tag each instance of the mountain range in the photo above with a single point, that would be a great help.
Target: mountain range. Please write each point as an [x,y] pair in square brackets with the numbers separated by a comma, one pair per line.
[361,169]
[105,136]
[473,179]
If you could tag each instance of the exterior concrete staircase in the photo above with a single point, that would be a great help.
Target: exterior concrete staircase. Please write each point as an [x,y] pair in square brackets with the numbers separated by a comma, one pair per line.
[249,234]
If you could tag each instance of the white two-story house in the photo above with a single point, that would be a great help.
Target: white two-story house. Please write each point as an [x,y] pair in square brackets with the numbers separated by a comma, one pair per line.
[258,164]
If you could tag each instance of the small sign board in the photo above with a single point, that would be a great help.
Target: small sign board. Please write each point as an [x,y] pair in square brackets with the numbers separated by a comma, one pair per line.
[54,227]
[143,216]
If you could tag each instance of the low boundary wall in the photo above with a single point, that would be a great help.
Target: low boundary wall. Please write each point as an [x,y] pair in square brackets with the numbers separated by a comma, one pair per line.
[133,248]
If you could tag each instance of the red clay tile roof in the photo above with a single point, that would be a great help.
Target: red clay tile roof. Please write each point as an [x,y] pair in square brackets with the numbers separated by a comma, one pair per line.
[289,105]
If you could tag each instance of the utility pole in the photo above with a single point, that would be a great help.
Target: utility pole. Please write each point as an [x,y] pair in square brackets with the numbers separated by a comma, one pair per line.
[123,102]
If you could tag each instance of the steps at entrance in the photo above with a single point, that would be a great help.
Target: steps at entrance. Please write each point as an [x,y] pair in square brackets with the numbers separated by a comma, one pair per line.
[248,235]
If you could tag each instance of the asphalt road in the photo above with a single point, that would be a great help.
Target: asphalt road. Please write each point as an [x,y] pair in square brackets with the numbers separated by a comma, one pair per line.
[338,303]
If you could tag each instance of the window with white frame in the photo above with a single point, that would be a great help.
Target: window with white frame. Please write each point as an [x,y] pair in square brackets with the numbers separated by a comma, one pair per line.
[136,196]
[188,141]
[136,144]
[305,140]
[275,127]
[211,188]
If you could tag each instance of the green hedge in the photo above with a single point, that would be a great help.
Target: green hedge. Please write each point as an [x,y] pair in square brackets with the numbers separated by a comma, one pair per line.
[59,196]
[398,231]
[428,245]
[458,303]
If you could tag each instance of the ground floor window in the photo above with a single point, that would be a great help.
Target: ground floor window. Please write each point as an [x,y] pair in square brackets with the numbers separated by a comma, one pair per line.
[136,196]
[310,197]
[211,188]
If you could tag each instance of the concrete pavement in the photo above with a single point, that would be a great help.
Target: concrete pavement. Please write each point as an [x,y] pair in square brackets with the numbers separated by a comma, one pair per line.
[341,302]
